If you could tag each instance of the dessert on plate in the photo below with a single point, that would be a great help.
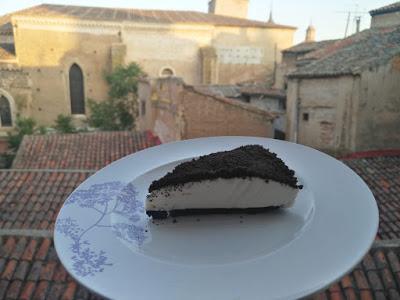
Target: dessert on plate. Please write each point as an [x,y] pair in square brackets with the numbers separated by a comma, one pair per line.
[248,179]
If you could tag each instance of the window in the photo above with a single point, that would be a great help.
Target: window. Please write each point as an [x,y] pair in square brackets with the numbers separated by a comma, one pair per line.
[143,107]
[305,117]
[76,90]
[167,72]
[5,112]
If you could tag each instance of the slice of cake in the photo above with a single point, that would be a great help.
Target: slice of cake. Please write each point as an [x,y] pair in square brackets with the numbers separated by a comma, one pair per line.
[248,179]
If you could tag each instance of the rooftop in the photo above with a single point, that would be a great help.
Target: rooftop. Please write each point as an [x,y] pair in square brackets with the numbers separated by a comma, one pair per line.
[139,15]
[262,90]
[31,199]
[386,9]
[64,151]
[352,55]
[306,47]
[237,91]
[228,90]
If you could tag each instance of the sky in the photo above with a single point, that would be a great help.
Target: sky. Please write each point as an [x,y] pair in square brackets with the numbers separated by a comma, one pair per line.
[328,17]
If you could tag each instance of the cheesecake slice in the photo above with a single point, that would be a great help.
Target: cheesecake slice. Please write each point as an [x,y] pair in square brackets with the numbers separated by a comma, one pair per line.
[248,179]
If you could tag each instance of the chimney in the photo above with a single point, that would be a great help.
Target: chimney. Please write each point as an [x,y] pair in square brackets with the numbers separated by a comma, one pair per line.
[358,22]
[310,34]
[230,8]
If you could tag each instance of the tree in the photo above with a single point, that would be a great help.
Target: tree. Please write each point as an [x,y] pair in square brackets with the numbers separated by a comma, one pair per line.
[120,110]
[23,126]
[64,124]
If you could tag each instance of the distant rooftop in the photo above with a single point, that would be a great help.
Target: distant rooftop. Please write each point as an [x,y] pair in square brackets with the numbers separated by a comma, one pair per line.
[350,56]
[306,47]
[237,91]
[140,15]
[386,9]
[264,91]
[65,151]
[227,90]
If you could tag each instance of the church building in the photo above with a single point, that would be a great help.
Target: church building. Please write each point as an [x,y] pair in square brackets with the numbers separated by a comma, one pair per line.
[53,57]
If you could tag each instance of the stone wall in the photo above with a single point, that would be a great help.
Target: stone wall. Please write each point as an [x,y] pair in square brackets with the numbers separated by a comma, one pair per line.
[348,113]
[208,54]
[383,20]
[180,112]
[48,60]
[16,86]
[206,115]
[325,111]
[378,123]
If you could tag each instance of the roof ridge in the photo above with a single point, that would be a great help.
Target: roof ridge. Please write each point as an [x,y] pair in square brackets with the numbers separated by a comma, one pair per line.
[208,18]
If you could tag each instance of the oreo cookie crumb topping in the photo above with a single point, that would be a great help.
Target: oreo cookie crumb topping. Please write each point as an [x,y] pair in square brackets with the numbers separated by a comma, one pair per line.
[243,162]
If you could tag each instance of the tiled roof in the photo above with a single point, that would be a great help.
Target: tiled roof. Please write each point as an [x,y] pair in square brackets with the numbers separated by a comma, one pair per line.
[229,91]
[382,175]
[7,51]
[143,16]
[259,90]
[32,199]
[236,91]
[376,277]
[87,151]
[386,9]
[369,48]
[30,269]
[306,47]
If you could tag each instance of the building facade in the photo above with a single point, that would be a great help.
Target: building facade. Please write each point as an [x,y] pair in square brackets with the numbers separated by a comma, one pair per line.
[176,111]
[59,54]
[345,96]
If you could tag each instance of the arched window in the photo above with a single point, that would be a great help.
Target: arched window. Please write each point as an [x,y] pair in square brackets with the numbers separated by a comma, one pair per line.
[5,112]
[167,72]
[76,90]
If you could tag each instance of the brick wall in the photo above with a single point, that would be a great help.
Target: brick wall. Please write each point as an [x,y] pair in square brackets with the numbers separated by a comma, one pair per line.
[181,112]
[206,115]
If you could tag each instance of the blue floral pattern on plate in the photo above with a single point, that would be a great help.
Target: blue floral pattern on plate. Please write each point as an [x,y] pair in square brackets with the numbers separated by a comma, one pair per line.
[106,199]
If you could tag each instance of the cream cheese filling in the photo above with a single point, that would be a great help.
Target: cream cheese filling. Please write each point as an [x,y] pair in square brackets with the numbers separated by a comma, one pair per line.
[222,193]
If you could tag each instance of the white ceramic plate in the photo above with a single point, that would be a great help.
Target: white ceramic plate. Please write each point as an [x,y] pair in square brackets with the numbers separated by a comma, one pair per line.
[105,240]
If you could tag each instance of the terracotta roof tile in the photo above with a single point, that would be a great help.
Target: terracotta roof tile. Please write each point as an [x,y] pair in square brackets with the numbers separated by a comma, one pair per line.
[31,200]
[30,268]
[38,279]
[386,9]
[382,174]
[138,15]
[306,47]
[369,48]
[85,151]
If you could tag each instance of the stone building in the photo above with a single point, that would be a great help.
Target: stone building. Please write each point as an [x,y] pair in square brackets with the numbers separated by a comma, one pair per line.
[53,57]
[388,15]
[257,95]
[176,111]
[345,96]
[295,56]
